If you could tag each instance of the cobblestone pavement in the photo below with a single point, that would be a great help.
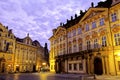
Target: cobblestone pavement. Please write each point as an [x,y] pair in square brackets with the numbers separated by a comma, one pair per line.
[40,76]
[108,77]
[53,76]
[25,76]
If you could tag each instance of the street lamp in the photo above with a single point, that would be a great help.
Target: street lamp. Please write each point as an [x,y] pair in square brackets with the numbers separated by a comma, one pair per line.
[44,64]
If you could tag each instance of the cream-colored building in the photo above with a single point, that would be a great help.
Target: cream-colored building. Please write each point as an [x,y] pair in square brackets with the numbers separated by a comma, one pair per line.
[89,43]
[19,55]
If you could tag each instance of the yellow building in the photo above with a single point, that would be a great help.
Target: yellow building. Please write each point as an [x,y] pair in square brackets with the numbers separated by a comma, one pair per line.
[7,48]
[19,55]
[90,43]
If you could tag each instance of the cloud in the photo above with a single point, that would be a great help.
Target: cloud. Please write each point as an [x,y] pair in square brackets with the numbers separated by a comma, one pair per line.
[38,17]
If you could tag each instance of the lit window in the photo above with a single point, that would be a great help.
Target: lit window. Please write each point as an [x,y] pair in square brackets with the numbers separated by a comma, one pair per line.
[101,21]
[117,39]
[104,43]
[114,17]
[88,45]
[79,31]
[93,25]
[87,27]
[80,66]
[95,43]
[70,66]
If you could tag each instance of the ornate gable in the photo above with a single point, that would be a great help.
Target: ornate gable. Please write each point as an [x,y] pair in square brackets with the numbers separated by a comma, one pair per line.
[93,12]
[60,30]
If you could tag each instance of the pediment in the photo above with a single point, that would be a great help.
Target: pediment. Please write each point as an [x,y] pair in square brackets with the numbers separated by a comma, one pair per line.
[60,30]
[116,28]
[93,12]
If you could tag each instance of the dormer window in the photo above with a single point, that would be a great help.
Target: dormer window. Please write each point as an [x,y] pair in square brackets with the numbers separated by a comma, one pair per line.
[27,41]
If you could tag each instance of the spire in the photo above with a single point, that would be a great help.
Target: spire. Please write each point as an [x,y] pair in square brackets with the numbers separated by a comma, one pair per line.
[92,4]
[28,35]
[71,18]
[75,15]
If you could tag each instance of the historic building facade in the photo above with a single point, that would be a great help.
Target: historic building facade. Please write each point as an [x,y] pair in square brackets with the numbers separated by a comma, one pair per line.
[89,43]
[19,55]
[7,48]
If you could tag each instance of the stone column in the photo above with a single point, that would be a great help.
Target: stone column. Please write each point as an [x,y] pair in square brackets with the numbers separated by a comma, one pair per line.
[103,64]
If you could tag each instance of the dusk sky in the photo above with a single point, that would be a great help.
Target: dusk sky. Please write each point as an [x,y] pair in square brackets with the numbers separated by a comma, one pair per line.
[39,17]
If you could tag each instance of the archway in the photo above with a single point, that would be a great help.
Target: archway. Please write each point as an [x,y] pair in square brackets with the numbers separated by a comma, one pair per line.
[98,69]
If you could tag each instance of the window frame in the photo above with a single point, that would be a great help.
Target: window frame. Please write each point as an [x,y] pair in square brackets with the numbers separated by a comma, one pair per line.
[104,41]
[117,39]
[94,25]
[113,17]
[102,21]
[87,28]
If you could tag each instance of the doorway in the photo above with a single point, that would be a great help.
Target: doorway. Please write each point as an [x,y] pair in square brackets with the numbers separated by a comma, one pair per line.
[98,69]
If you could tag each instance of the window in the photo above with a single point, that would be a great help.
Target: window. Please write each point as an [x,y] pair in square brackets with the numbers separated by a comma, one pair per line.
[70,66]
[104,43]
[87,27]
[88,45]
[75,66]
[93,25]
[114,17]
[80,46]
[119,65]
[80,66]
[74,48]
[74,32]
[70,50]
[69,35]
[117,39]
[64,50]
[101,21]
[95,43]
[79,31]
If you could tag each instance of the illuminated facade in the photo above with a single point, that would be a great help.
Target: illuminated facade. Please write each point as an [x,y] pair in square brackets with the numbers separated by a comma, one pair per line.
[90,43]
[7,48]
[19,55]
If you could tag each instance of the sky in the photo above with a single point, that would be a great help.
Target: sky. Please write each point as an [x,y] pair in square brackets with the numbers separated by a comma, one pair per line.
[39,17]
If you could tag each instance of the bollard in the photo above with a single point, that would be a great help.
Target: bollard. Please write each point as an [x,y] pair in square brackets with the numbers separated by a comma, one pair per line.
[94,76]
